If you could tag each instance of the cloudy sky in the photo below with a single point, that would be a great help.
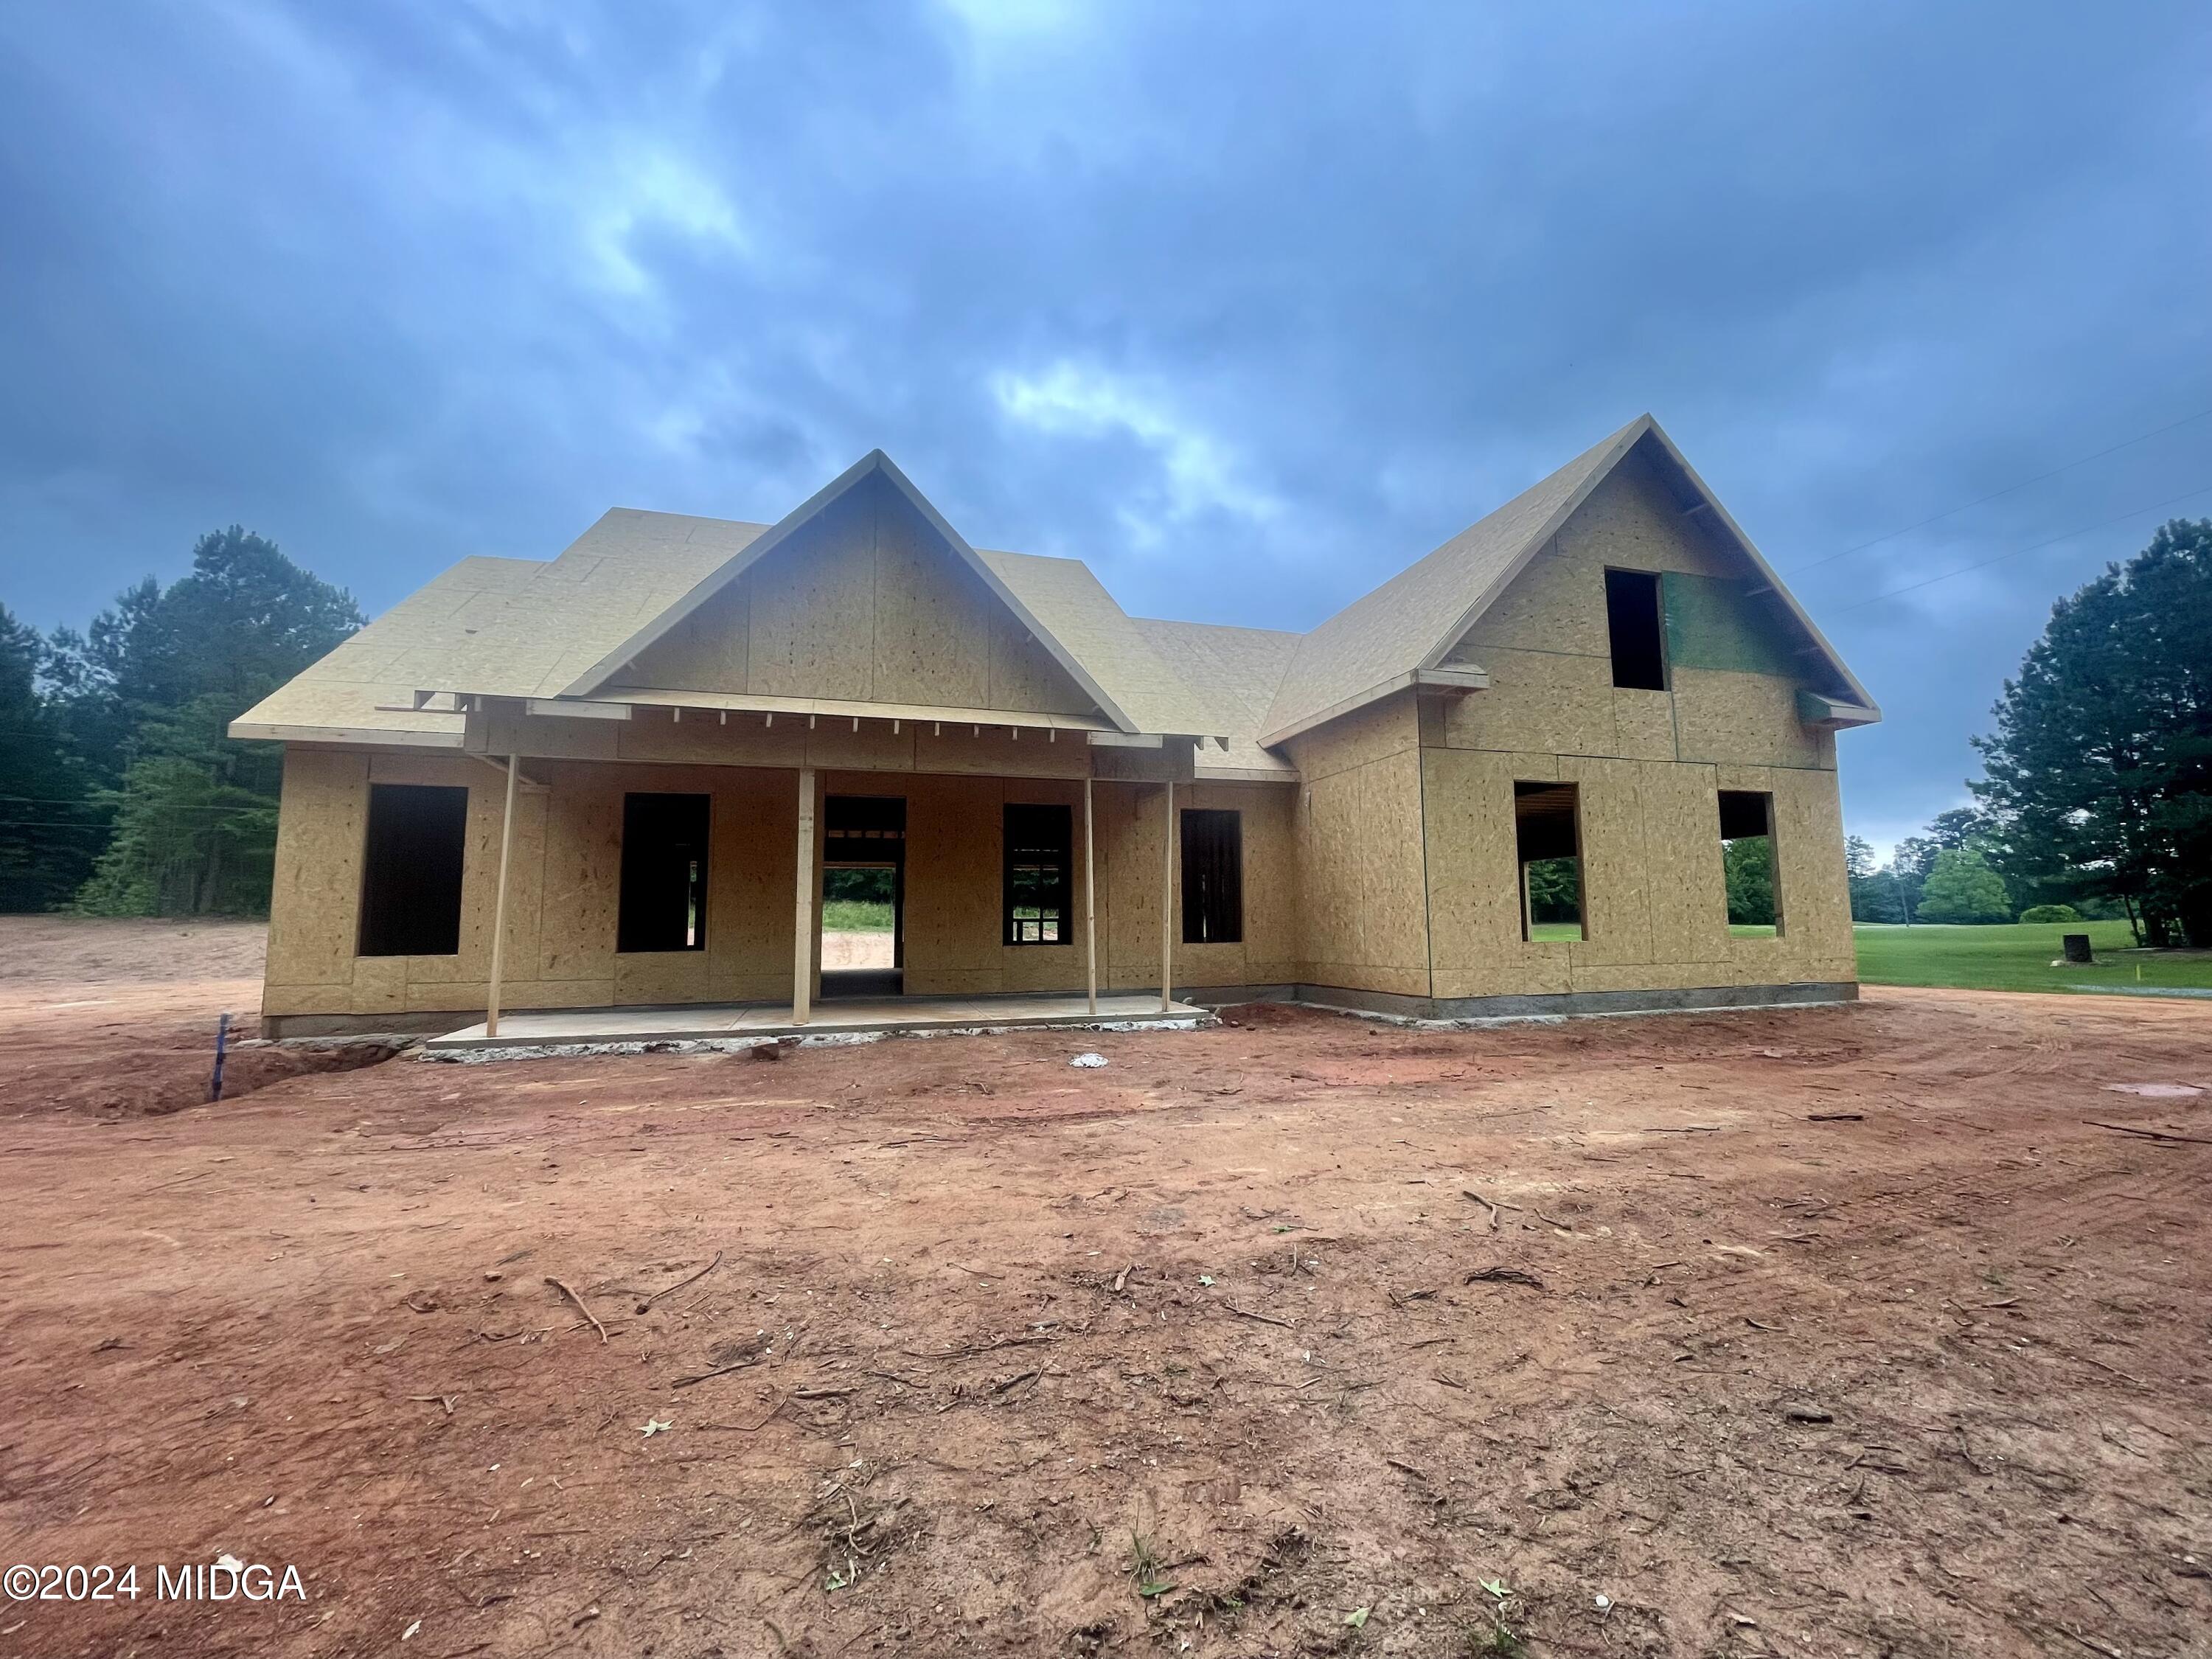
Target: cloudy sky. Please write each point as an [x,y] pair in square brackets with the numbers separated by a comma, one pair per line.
[1247,305]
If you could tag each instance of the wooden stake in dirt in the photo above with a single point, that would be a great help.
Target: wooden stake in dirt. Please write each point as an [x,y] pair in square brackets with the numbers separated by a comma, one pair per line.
[580,1306]
[499,908]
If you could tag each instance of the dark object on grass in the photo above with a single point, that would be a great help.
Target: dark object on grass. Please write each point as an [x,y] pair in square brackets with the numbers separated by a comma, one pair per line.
[2077,947]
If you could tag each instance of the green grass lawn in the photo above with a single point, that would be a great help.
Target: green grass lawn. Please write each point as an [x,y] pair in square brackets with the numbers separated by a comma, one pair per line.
[2018,957]
[856,916]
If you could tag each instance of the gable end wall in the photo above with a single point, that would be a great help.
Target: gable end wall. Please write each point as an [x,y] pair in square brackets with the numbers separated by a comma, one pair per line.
[865,602]
[1649,765]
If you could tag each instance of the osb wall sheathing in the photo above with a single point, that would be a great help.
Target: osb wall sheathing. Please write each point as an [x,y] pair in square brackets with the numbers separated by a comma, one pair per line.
[954,864]
[865,602]
[1647,766]
[564,886]
[1357,834]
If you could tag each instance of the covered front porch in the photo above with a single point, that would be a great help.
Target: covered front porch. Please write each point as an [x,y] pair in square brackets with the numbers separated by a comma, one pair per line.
[1047,912]
[733,1022]
[665,879]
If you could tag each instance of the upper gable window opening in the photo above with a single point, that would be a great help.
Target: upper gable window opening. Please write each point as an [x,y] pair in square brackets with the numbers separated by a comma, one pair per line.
[1633,625]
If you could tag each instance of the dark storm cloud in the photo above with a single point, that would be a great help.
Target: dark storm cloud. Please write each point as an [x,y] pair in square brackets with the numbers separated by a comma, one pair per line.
[1247,305]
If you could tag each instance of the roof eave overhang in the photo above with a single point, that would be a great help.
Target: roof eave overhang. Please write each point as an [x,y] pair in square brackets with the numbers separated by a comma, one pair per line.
[1833,713]
[1424,678]
[355,735]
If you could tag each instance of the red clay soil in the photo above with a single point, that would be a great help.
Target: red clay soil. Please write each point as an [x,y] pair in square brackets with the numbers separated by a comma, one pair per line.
[1825,1332]
[118,1019]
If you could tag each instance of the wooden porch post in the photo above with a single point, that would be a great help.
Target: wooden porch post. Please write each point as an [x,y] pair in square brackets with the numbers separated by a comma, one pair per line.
[802,950]
[1090,902]
[499,906]
[1167,905]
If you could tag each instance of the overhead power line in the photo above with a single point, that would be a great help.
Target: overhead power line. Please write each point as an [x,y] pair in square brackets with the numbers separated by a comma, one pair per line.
[1949,512]
[2031,547]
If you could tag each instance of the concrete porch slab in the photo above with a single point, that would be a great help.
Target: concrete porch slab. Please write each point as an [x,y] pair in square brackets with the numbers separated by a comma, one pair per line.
[715,1022]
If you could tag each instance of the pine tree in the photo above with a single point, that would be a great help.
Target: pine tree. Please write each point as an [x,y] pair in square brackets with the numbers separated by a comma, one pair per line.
[2099,771]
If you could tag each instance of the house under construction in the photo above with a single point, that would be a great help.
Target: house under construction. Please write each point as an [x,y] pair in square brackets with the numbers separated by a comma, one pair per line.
[598,799]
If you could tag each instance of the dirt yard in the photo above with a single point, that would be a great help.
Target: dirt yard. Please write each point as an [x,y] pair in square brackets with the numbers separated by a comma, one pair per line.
[1828,1332]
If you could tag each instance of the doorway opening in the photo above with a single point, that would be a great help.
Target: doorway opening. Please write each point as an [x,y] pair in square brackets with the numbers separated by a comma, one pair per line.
[863,897]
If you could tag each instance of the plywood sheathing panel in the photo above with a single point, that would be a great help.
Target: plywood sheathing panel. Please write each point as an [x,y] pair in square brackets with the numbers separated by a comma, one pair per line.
[1474,906]
[1724,717]
[813,608]
[1544,644]
[710,650]
[366,684]
[826,741]
[1356,833]
[581,880]
[1676,904]
[1644,723]
[932,622]
[959,748]
[1620,866]
[1687,885]
[1809,850]
[1539,700]
[314,894]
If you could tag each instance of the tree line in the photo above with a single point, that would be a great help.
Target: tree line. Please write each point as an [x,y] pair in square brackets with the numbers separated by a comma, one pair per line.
[120,792]
[2096,794]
